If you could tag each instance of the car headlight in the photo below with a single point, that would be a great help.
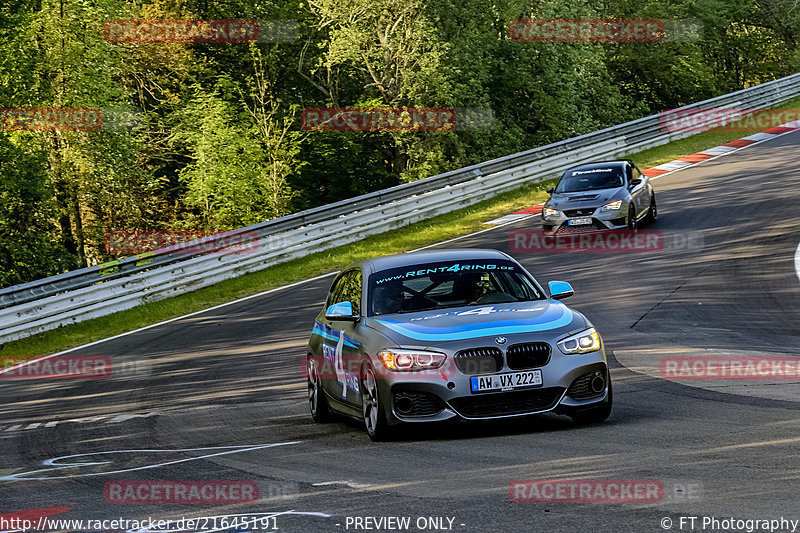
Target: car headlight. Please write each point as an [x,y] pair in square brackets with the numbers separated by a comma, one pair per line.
[411,360]
[584,342]
[613,206]
[549,212]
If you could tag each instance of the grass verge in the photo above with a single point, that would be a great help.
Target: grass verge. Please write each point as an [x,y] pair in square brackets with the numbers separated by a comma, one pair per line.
[440,228]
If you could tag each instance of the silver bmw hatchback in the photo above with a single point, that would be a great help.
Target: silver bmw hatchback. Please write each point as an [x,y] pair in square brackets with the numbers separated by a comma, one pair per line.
[599,196]
[452,334]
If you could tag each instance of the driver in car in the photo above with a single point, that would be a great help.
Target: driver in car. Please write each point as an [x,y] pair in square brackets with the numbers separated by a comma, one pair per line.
[472,286]
[388,298]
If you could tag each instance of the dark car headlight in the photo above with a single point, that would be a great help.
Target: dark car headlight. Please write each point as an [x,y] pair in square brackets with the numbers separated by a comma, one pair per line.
[411,360]
[584,342]
[549,212]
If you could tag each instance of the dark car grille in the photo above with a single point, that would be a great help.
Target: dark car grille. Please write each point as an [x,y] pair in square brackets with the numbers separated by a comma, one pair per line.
[530,355]
[417,403]
[579,212]
[479,360]
[507,403]
[594,226]
[581,388]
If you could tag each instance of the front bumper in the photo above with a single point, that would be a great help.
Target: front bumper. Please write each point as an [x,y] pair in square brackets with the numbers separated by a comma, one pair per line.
[445,394]
[601,220]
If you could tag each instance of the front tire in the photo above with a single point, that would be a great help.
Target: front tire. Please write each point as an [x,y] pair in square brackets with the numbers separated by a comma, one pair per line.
[372,408]
[595,415]
[633,224]
[652,213]
[317,402]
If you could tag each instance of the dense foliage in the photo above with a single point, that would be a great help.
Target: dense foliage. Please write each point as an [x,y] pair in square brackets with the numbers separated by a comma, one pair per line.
[217,142]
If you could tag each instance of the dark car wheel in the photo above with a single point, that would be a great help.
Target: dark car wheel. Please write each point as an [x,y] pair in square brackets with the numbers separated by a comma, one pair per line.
[317,402]
[372,408]
[652,213]
[633,224]
[595,415]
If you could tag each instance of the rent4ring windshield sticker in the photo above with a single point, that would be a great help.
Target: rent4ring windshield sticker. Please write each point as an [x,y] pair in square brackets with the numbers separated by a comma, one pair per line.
[452,267]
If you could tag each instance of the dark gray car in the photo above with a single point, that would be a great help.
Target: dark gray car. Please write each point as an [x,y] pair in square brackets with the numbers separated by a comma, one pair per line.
[452,334]
[598,196]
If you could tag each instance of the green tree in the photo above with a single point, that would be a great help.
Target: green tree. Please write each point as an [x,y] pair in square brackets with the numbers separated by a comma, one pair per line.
[28,249]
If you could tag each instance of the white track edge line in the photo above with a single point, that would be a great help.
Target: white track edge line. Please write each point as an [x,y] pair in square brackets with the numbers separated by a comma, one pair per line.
[797,261]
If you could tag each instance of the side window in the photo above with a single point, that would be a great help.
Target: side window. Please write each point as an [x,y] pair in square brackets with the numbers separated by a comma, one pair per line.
[336,292]
[347,289]
[636,174]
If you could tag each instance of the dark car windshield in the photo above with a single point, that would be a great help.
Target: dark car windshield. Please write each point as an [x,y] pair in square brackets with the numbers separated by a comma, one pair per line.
[590,179]
[448,284]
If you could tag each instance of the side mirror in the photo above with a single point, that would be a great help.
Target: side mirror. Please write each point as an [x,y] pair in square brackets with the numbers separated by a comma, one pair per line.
[340,311]
[560,290]
[634,182]
[550,190]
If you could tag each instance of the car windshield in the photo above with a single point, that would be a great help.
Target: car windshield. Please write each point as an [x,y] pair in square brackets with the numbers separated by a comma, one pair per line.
[591,179]
[448,284]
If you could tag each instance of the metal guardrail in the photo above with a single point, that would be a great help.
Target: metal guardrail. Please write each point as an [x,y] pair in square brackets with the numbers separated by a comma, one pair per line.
[92,292]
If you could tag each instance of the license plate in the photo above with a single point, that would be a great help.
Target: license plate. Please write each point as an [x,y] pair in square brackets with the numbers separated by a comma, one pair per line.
[505,382]
[579,221]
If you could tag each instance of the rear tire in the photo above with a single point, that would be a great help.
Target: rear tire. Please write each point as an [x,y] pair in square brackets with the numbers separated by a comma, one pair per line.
[317,402]
[598,414]
[372,408]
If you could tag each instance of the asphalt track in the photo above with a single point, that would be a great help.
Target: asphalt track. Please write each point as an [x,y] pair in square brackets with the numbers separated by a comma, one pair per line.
[212,392]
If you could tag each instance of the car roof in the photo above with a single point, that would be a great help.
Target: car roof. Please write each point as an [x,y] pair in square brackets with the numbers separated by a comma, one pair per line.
[429,256]
[600,164]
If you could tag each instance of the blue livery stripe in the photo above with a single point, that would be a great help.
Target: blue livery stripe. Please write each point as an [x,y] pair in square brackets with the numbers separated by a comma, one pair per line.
[555,317]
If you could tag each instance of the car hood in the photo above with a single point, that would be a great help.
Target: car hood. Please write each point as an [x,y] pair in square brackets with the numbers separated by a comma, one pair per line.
[578,200]
[461,325]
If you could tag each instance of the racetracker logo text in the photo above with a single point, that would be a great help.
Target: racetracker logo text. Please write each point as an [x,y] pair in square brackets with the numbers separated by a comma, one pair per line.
[180,492]
[58,367]
[51,119]
[348,369]
[181,31]
[378,119]
[728,368]
[586,491]
[181,242]
[621,241]
[200,31]
[586,30]
[735,119]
